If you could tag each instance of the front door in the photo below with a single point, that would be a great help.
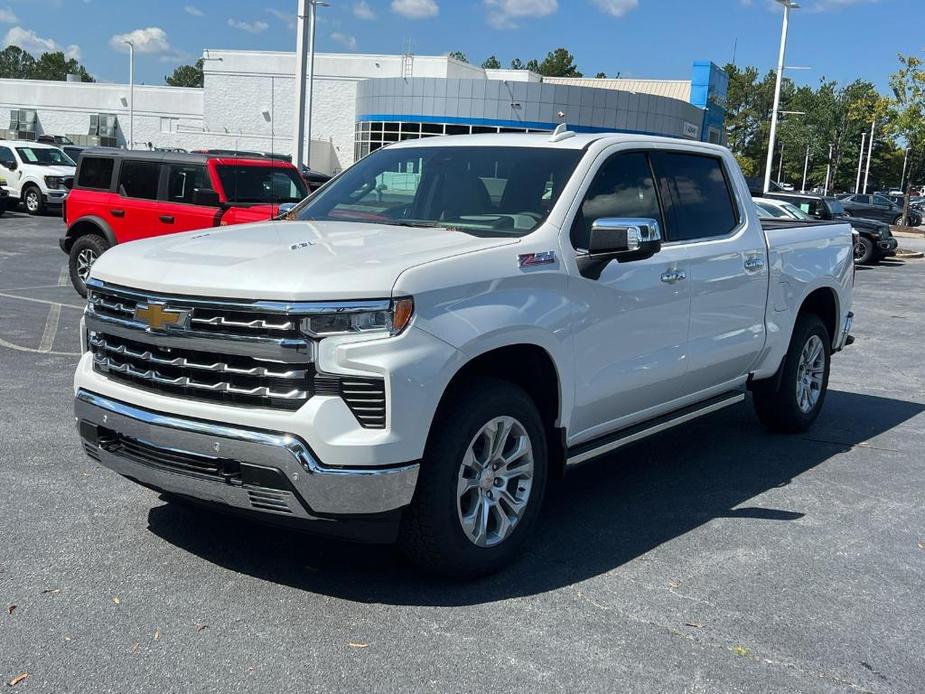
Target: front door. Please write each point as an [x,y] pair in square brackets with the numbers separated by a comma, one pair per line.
[179,212]
[631,345]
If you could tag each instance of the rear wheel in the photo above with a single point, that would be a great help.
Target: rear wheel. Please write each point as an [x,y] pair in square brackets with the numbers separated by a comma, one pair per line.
[864,253]
[33,200]
[84,253]
[481,485]
[898,221]
[792,402]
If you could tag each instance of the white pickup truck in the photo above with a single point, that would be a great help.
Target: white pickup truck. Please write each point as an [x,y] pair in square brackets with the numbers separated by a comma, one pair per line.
[449,326]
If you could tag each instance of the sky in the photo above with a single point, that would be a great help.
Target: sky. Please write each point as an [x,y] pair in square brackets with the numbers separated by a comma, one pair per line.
[660,39]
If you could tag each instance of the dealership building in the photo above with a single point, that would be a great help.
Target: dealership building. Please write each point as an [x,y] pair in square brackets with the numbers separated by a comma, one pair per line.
[360,103]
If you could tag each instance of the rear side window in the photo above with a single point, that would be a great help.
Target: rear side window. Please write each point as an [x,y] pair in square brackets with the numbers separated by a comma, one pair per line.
[139,179]
[95,173]
[183,179]
[701,198]
[622,187]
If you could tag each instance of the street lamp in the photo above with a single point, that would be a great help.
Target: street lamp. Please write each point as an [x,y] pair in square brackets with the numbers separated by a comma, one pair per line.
[788,5]
[305,65]
[131,92]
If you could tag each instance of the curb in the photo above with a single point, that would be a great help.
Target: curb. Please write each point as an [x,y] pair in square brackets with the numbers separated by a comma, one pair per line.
[909,255]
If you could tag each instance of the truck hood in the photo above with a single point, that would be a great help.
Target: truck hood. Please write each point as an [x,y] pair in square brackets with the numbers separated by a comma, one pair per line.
[62,171]
[288,261]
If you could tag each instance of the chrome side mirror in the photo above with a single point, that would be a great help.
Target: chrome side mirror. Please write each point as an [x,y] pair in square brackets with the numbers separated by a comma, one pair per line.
[620,239]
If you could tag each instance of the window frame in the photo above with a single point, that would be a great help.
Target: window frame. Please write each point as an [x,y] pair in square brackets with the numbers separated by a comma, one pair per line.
[164,182]
[741,219]
[112,174]
[592,176]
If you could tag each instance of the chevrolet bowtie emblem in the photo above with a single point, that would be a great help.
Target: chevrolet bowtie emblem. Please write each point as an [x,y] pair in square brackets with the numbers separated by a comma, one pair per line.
[158,317]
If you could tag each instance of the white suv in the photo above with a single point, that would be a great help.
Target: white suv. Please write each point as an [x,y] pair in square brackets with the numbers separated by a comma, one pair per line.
[37,174]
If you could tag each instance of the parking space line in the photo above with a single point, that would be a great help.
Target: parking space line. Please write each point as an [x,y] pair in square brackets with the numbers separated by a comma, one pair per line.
[10,345]
[41,301]
[51,328]
[64,276]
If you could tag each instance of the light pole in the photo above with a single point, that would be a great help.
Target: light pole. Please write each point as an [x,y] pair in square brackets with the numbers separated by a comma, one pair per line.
[828,172]
[902,181]
[870,153]
[305,72]
[788,5]
[805,169]
[131,93]
[857,183]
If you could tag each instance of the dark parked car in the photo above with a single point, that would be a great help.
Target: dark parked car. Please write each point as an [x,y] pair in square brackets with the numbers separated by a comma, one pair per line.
[874,241]
[58,140]
[878,207]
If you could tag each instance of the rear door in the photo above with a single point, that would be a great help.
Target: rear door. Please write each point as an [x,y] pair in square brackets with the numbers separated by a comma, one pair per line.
[12,175]
[178,211]
[728,276]
[135,210]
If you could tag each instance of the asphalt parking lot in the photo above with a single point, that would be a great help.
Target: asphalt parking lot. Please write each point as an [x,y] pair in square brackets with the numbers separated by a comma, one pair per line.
[716,558]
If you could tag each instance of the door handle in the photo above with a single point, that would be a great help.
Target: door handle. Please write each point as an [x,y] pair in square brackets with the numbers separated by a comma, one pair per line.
[754,263]
[673,276]
[166,219]
[117,213]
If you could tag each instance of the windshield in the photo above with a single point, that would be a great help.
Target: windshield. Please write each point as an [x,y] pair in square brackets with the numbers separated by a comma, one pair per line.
[795,212]
[261,184]
[772,210]
[835,207]
[492,191]
[44,156]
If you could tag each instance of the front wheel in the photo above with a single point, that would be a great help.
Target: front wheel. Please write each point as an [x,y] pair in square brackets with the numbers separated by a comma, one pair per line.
[85,251]
[864,251]
[791,403]
[481,485]
[34,201]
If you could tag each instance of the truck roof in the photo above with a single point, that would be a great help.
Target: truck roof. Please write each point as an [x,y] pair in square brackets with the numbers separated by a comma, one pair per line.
[182,157]
[575,141]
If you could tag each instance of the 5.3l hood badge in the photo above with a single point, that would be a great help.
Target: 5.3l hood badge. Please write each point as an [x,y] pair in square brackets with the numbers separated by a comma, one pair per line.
[158,317]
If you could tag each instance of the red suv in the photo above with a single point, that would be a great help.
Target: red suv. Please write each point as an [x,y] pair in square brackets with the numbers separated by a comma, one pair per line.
[123,195]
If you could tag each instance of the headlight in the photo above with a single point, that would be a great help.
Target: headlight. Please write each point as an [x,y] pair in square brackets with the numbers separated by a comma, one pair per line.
[390,320]
[54,182]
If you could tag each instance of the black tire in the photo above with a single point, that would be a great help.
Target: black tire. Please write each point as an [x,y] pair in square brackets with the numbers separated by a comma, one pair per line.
[86,248]
[776,400]
[898,221]
[33,200]
[864,252]
[432,534]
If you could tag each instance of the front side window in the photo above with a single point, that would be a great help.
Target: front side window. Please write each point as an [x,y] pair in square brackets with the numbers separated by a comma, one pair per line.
[248,184]
[485,191]
[95,172]
[880,200]
[622,187]
[42,156]
[701,199]
[836,207]
[183,179]
[139,179]
[7,156]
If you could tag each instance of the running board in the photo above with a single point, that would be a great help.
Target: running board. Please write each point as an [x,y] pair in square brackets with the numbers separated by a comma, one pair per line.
[597,447]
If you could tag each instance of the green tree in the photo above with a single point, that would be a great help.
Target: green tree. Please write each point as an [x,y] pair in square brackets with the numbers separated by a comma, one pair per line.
[460,56]
[518,64]
[557,63]
[907,108]
[601,75]
[492,63]
[15,63]
[187,76]
[55,66]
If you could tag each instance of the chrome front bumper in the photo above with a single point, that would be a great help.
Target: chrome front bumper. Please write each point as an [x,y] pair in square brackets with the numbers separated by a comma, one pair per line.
[249,469]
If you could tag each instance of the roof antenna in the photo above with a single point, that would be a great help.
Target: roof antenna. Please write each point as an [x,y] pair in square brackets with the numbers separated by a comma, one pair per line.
[561,133]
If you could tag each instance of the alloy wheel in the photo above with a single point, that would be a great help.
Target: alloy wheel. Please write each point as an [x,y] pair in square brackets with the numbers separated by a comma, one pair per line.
[85,260]
[494,481]
[810,374]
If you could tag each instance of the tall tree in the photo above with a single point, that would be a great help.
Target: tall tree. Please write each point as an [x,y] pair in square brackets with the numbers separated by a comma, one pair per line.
[491,63]
[15,63]
[908,111]
[517,64]
[460,56]
[187,76]
[55,66]
[558,63]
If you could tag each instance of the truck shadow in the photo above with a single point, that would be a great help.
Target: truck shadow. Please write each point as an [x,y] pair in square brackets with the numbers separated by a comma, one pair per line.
[599,518]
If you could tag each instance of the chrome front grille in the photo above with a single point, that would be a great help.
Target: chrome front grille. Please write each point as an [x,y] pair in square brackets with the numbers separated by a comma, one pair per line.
[248,353]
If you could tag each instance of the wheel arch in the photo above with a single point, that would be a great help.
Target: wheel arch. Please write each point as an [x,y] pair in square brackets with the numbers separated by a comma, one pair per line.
[86,226]
[823,302]
[530,367]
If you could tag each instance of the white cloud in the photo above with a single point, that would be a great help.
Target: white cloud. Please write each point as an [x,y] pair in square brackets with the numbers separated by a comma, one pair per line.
[149,40]
[503,14]
[287,18]
[346,40]
[193,10]
[362,10]
[416,9]
[7,16]
[32,43]
[250,27]
[617,8]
